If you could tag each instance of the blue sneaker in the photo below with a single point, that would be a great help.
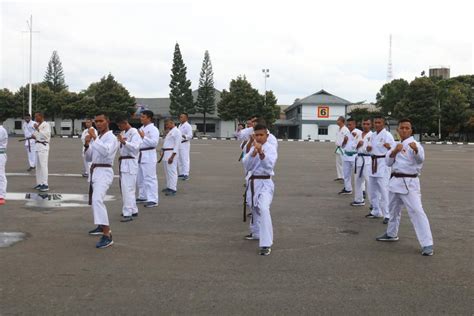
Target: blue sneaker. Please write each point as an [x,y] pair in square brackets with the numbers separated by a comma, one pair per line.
[181,176]
[104,242]
[165,190]
[170,192]
[386,237]
[427,251]
[185,178]
[44,188]
[37,187]
[96,231]
[126,219]
[151,204]
[139,200]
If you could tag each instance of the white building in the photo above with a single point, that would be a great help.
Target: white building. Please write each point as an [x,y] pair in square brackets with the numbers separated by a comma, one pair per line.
[313,117]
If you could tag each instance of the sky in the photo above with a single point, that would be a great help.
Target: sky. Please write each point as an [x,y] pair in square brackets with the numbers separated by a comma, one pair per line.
[339,46]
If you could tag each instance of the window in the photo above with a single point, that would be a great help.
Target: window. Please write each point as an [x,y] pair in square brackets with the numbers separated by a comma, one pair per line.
[299,110]
[210,128]
[65,128]
[322,131]
[18,125]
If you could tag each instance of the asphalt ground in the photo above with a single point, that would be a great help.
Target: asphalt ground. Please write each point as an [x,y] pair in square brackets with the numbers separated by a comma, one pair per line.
[188,255]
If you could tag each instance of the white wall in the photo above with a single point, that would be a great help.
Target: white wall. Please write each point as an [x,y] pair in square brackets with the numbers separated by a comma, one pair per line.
[309,131]
[226,129]
[332,130]
[310,112]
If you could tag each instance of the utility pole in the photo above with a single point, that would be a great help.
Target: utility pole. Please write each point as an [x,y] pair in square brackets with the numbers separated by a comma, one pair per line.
[266,74]
[30,98]
[439,119]
[389,66]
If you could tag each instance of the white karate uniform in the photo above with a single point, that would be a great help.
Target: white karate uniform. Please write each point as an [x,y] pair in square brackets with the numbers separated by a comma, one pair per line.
[30,144]
[378,181]
[405,191]
[362,168]
[102,150]
[3,161]
[261,226]
[340,134]
[184,149]
[349,156]
[172,140]
[43,137]
[147,180]
[87,165]
[129,170]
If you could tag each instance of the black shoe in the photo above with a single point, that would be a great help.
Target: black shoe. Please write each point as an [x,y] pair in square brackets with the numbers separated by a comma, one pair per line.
[345,192]
[338,179]
[140,200]
[97,231]
[30,169]
[250,237]
[44,188]
[358,203]
[85,175]
[37,187]
[135,215]
[165,190]
[363,194]
[151,204]
[126,219]
[265,251]
[104,242]
[386,220]
[170,193]
[371,216]
[386,237]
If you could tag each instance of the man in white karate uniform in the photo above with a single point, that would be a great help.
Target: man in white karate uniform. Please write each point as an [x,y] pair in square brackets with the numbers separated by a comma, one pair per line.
[147,180]
[28,127]
[362,164]
[341,133]
[184,149]
[86,165]
[42,137]
[381,142]
[349,148]
[169,151]
[406,160]
[100,150]
[260,162]
[130,142]
[3,161]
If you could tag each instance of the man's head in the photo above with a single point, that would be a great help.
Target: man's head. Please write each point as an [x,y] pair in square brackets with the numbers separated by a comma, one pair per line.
[39,117]
[183,117]
[122,123]
[251,121]
[169,123]
[366,125]
[27,118]
[379,123]
[102,122]
[146,117]
[340,121]
[241,126]
[88,123]
[261,133]
[351,124]
[405,128]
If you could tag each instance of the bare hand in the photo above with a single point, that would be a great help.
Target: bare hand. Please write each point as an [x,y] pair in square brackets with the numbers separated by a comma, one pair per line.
[258,147]
[414,147]
[387,145]
[359,144]
[87,139]
[121,139]
[92,133]
[170,160]
[36,126]
[398,148]
[369,148]
[142,133]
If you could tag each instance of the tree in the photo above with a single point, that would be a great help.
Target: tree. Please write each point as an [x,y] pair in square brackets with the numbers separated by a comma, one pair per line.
[358,114]
[454,103]
[181,98]
[240,102]
[268,109]
[206,98]
[8,105]
[390,94]
[54,76]
[75,107]
[420,104]
[43,99]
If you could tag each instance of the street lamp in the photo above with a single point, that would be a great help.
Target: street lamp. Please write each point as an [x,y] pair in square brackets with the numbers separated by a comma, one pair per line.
[266,74]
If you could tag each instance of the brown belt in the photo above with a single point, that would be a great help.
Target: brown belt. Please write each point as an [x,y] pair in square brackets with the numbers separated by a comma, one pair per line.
[93,166]
[163,153]
[403,175]
[120,169]
[252,190]
[143,149]
[374,162]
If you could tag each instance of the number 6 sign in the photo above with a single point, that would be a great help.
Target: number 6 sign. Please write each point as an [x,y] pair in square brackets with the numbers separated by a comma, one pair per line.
[323,111]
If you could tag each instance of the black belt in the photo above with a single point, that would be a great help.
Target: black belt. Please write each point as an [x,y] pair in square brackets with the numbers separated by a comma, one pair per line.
[183,141]
[163,153]
[93,166]
[374,162]
[403,175]
[120,169]
[143,149]
[363,164]
[242,147]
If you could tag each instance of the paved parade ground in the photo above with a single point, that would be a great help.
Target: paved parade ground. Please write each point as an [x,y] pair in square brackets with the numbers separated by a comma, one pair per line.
[188,255]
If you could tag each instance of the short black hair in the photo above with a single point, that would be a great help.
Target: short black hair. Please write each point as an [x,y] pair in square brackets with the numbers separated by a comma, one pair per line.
[148,114]
[379,117]
[366,119]
[260,127]
[40,113]
[121,119]
[169,119]
[102,113]
[342,119]
[184,113]
[350,119]
[405,120]
[241,124]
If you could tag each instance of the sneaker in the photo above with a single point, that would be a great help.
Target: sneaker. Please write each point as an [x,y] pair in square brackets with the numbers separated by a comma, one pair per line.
[386,237]
[85,175]
[170,193]
[104,242]
[185,178]
[139,200]
[358,203]
[135,215]
[2,201]
[126,219]
[371,216]
[44,188]
[386,220]
[165,190]
[363,194]
[427,251]
[265,251]
[30,169]
[181,176]
[37,187]
[371,207]
[345,192]
[250,237]
[97,231]
[151,204]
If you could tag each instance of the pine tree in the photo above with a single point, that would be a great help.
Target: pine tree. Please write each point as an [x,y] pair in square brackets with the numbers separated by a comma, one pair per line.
[181,98]
[54,76]
[205,103]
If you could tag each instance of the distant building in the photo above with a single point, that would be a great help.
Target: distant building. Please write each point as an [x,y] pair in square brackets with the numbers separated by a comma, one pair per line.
[313,117]
[440,72]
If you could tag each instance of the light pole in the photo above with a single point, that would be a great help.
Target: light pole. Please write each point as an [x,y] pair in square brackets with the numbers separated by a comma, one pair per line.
[266,74]
[30,29]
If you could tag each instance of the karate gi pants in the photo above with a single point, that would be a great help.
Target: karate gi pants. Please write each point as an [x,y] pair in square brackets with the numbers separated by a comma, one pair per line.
[147,182]
[101,182]
[42,167]
[412,201]
[87,165]
[339,166]
[378,190]
[3,177]
[262,226]
[171,172]
[361,182]
[183,159]
[348,170]
[31,153]
[128,186]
